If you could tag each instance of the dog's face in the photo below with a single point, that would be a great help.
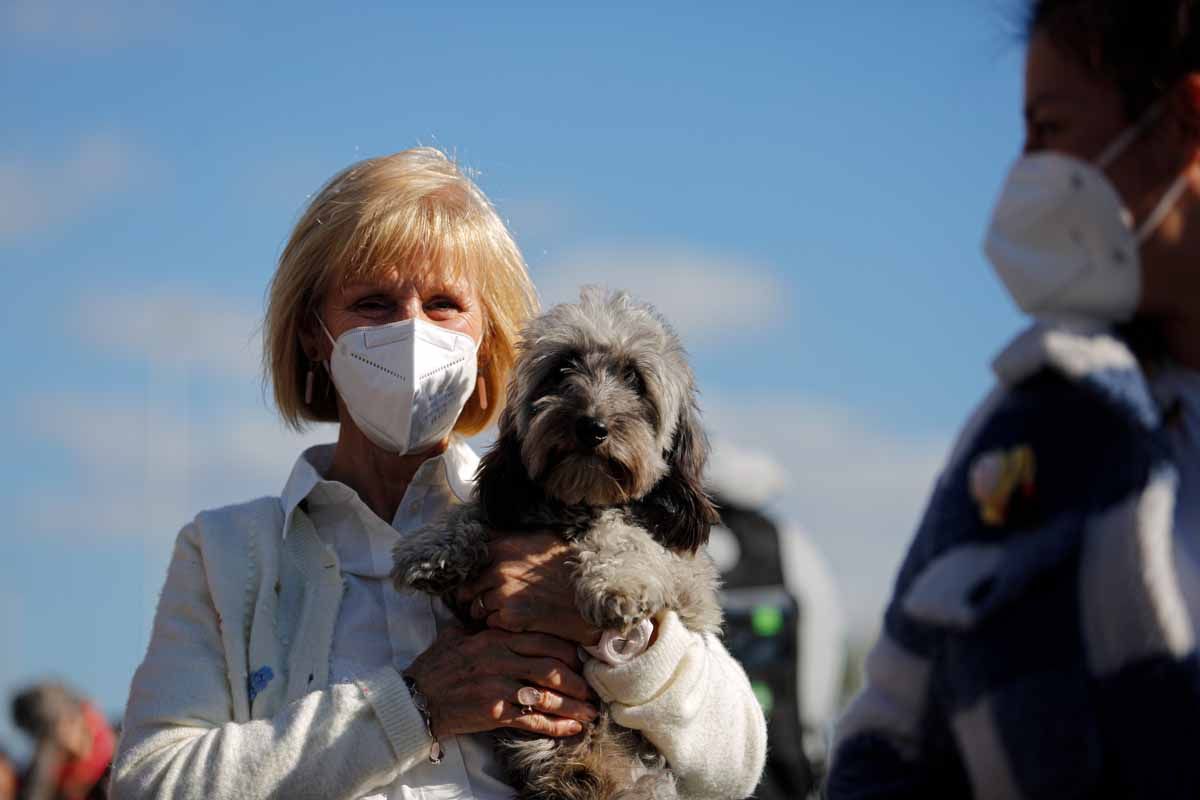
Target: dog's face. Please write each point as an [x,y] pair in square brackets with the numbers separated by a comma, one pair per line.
[601,411]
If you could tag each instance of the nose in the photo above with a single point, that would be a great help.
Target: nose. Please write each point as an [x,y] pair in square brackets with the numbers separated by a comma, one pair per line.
[590,432]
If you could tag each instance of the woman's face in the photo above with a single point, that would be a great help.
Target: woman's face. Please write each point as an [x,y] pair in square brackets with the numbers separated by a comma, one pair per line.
[1068,110]
[397,295]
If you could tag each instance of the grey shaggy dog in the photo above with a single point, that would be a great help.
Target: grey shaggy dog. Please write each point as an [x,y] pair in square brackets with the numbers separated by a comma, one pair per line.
[599,441]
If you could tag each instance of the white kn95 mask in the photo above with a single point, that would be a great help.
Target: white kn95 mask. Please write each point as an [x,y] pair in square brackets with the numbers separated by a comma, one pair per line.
[404,383]
[1062,240]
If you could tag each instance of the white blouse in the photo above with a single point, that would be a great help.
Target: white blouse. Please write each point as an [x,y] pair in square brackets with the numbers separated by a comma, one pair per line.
[377,625]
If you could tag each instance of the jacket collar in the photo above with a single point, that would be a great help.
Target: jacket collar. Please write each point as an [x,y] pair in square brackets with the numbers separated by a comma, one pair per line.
[1088,354]
[458,464]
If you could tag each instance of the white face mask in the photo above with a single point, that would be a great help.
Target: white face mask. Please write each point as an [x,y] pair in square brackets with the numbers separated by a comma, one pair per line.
[404,383]
[1063,242]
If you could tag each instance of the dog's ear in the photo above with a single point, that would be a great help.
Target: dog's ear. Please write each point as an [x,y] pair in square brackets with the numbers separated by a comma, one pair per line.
[677,511]
[502,484]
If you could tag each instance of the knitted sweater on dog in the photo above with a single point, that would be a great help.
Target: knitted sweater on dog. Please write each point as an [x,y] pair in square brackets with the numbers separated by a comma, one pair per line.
[1037,644]
[234,698]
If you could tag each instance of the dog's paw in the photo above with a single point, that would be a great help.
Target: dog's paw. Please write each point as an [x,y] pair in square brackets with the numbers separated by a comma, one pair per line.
[620,609]
[436,576]
[440,557]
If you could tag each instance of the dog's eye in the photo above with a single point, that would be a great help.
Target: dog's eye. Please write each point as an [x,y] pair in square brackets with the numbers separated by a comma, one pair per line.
[633,378]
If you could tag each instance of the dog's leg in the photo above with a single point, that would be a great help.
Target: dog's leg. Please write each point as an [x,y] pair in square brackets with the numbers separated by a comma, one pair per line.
[657,785]
[442,556]
[622,575]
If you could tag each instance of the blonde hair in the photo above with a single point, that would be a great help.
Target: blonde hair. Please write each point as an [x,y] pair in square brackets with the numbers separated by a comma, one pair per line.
[416,210]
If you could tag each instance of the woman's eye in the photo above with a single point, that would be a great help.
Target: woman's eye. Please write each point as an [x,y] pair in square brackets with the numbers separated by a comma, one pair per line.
[443,304]
[370,304]
[1043,129]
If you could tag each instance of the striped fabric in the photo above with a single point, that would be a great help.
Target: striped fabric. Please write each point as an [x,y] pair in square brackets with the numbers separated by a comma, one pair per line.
[1050,655]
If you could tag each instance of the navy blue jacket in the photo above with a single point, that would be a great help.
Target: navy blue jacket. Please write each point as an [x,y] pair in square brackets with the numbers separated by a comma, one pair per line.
[1037,644]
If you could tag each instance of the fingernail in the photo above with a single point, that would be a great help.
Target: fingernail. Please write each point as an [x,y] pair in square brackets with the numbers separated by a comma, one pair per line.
[591,711]
[574,727]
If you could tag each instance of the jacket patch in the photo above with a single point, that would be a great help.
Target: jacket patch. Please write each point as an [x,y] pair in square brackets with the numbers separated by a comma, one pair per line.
[258,681]
[1002,483]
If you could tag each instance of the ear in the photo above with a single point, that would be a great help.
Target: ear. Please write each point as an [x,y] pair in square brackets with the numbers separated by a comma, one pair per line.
[677,511]
[502,484]
[313,341]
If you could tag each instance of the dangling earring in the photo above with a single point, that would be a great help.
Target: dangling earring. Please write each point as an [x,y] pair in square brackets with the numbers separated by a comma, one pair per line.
[308,387]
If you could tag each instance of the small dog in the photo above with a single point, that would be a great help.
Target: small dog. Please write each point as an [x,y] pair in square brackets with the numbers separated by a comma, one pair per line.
[600,441]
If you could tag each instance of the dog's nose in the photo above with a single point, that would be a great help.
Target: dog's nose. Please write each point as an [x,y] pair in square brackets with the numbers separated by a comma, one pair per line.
[590,431]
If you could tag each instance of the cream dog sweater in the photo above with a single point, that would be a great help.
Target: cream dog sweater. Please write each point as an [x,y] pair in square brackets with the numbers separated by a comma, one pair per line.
[208,716]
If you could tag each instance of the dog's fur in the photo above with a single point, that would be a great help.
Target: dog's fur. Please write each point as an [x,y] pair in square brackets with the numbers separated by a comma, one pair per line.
[633,509]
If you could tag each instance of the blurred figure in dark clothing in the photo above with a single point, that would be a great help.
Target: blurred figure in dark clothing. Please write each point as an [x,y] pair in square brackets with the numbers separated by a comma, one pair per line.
[73,744]
[783,623]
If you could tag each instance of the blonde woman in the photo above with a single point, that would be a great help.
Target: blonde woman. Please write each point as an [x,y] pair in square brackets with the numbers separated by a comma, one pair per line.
[282,663]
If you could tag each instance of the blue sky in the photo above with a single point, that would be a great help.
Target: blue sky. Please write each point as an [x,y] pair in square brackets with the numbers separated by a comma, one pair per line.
[802,187]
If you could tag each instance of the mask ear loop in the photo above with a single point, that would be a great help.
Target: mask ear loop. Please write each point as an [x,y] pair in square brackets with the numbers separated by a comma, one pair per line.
[1168,201]
[1129,135]
[328,335]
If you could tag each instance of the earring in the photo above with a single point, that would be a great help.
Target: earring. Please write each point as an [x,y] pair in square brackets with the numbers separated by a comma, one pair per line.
[308,387]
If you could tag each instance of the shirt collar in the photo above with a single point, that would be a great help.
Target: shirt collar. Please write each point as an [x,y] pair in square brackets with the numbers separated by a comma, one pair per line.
[458,462]
[1088,354]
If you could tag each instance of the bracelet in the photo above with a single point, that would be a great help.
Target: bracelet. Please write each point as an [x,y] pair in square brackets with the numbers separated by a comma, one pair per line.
[422,704]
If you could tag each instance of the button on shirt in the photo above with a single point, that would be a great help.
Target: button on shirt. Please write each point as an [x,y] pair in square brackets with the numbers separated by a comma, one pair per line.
[1178,393]
[377,625]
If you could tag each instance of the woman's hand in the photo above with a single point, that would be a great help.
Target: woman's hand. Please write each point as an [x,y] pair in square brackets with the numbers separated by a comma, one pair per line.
[528,587]
[471,682]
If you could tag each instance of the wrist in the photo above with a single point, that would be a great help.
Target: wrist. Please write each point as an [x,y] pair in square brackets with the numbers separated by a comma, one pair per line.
[421,702]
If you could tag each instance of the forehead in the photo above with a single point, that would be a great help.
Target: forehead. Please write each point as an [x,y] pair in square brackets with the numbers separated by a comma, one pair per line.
[423,277]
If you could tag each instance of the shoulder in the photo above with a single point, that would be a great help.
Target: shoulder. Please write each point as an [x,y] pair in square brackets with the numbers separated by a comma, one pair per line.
[232,526]
[1074,400]
[1069,433]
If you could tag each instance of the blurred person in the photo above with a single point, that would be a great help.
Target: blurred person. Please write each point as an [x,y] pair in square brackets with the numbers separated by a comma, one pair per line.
[1041,640]
[783,620]
[281,663]
[73,744]
[8,776]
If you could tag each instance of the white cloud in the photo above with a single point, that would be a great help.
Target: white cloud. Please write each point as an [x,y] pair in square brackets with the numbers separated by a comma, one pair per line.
[144,472]
[97,24]
[38,195]
[748,477]
[703,296]
[176,329]
[854,486]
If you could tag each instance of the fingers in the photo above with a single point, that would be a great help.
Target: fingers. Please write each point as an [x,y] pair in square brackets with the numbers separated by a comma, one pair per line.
[513,716]
[477,607]
[556,704]
[550,674]
[540,645]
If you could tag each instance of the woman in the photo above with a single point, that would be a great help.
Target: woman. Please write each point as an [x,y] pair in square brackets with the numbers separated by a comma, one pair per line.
[282,663]
[1041,641]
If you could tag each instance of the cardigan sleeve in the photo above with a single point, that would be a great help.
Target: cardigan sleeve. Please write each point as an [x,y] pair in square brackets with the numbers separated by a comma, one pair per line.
[179,739]
[693,701]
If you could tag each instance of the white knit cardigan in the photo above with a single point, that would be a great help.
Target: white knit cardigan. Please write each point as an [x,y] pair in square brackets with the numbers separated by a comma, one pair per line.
[243,604]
